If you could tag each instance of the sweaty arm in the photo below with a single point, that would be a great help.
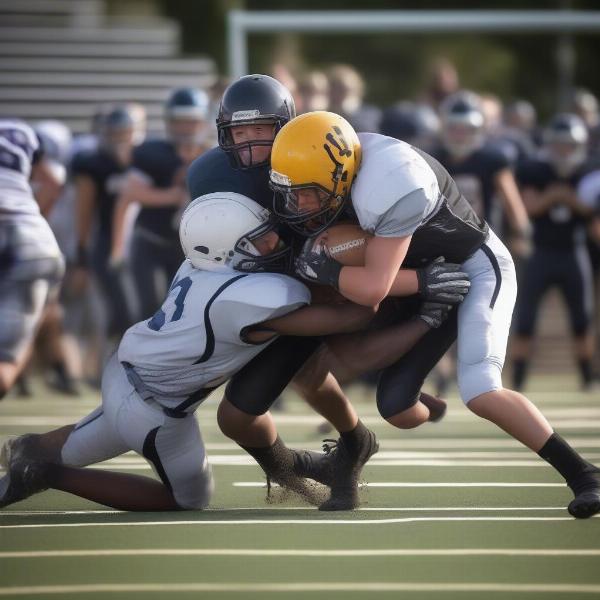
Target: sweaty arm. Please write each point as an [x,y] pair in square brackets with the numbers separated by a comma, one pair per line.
[310,321]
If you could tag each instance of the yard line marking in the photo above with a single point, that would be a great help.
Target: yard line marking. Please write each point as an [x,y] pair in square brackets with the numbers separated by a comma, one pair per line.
[308,552]
[342,586]
[286,522]
[40,513]
[419,484]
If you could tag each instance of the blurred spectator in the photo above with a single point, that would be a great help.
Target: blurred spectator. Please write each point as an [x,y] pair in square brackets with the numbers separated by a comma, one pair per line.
[516,134]
[346,92]
[313,92]
[560,257]
[416,124]
[443,81]
[585,105]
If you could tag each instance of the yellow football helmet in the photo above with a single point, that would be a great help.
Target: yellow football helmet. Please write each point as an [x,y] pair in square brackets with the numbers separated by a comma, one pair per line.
[314,160]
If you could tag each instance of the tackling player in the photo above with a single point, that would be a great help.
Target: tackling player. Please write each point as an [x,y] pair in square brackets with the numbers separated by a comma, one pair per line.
[221,311]
[31,263]
[253,109]
[416,214]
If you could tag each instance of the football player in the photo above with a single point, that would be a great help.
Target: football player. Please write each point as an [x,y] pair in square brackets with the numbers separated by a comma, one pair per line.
[481,170]
[560,256]
[156,183]
[416,213]
[253,109]
[221,311]
[31,263]
[99,176]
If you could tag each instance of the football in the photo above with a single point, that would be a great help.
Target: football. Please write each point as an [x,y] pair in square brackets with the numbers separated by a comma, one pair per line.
[347,243]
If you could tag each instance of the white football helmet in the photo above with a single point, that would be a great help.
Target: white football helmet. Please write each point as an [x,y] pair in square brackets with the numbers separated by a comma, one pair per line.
[463,123]
[217,232]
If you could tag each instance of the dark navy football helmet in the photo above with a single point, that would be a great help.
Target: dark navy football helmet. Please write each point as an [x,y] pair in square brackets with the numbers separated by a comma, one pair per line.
[252,100]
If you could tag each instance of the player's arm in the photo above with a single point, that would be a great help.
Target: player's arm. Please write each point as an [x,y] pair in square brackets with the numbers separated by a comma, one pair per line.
[138,189]
[536,202]
[310,321]
[514,208]
[47,181]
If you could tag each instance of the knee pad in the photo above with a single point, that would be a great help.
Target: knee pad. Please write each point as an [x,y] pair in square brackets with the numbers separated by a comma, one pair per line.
[196,494]
[478,378]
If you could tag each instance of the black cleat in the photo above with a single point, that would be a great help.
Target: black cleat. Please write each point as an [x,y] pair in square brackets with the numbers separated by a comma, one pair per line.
[22,480]
[437,407]
[345,466]
[586,488]
[23,447]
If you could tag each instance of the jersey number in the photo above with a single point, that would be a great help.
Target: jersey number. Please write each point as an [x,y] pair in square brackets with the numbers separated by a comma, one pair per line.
[160,317]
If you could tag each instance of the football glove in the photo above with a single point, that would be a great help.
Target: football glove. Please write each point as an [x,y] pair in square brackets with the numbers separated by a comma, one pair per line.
[434,313]
[316,264]
[443,282]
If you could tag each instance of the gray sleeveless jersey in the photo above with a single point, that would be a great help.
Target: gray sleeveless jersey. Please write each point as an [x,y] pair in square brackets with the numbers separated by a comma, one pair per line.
[400,191]
[193,341]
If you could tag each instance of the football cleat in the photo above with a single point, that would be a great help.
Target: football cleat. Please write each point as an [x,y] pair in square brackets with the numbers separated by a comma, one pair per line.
[586,488]
[18,448]
[340,468]
[22,480]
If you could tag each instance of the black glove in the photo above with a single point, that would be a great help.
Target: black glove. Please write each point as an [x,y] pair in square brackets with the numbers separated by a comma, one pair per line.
[315,264]
[443,282]
[434,313]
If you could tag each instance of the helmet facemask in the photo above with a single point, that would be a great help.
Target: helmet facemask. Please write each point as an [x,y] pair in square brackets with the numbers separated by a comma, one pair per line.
[237,151]
[248,258]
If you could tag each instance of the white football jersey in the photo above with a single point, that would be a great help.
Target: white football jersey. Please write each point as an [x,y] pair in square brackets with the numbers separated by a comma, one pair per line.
[18,144]
[395,189]
[193,341]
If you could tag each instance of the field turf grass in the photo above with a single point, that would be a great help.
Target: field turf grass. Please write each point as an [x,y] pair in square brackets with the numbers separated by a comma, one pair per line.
[452,510]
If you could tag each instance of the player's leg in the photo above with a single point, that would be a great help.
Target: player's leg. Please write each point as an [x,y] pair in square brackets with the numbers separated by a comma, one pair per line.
[145,255]
[243,414]
[538,276]
[21,308]
[577,287]
[483,324]
[52,460]
[399,397]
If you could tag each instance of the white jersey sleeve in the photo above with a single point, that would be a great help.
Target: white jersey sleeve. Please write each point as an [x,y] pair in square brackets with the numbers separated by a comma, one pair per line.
[256,299]
[395,190]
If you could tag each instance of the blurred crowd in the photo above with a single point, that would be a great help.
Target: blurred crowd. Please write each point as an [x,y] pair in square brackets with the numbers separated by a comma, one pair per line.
[113,198]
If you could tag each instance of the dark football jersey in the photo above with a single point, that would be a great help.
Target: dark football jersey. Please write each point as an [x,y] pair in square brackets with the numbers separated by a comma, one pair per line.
[108,176]
[559,227]
[213,172]
[159,161]
[475,175]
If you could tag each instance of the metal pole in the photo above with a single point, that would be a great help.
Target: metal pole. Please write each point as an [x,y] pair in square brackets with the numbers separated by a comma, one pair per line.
[237,44]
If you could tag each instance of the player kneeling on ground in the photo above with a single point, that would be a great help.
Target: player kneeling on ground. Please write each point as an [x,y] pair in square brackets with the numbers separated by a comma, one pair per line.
[166,366]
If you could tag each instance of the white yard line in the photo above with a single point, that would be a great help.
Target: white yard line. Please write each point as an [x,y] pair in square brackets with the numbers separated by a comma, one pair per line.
[424,484]
[279,522]
[308,552]
[42,513]
[345,586]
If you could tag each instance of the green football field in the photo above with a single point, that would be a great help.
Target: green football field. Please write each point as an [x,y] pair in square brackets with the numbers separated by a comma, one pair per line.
[453,510]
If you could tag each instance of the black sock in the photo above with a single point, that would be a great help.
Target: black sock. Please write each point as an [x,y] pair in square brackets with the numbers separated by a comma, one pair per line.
[564,459]
[353,439]
[270,458]
[585,370]
[520,367]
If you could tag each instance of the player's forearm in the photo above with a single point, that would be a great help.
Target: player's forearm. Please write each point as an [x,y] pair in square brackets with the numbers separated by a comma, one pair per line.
[378,349]
[405,284]
[513,204]
[153,197]
[364,287]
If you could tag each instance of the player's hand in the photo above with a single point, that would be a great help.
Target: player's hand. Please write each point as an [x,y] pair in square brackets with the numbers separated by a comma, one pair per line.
[434,313]
[443,282]
[315,264]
